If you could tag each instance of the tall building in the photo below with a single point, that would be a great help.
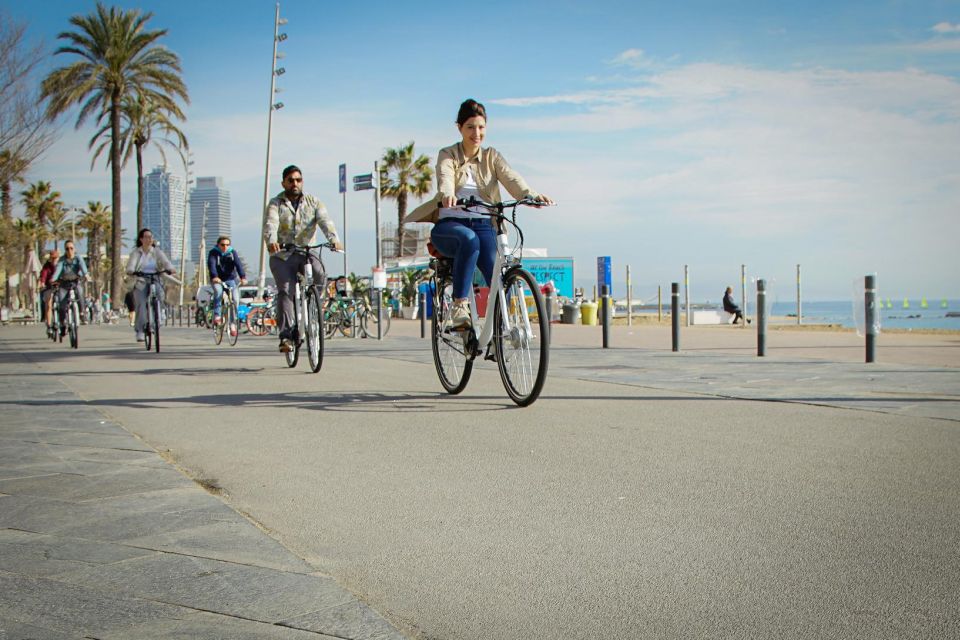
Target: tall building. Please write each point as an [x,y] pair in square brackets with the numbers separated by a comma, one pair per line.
[209,212]
[164,210]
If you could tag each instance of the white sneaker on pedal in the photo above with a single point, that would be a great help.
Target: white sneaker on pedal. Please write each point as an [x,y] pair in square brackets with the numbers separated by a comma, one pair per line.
[140,336]
[460,315]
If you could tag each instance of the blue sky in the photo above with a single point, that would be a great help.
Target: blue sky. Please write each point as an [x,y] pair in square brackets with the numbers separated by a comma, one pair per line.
[824,134]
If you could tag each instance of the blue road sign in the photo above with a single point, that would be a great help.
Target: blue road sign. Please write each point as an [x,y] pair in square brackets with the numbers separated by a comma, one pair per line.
[343,178]
[604,275]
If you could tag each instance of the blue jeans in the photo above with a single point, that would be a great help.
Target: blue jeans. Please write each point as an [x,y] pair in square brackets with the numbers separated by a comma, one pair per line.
[472,243]
[218,294]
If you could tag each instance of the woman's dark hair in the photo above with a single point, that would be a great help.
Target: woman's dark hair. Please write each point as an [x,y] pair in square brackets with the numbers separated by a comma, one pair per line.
[140,236]
[470,109]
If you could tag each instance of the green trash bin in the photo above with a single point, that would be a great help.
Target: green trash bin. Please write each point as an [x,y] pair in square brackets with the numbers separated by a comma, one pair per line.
[588,313]
[571,314]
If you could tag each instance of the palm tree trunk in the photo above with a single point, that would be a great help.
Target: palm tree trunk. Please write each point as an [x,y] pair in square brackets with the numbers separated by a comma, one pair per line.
[7,207]
[139,187]
[116,281]
[401,214]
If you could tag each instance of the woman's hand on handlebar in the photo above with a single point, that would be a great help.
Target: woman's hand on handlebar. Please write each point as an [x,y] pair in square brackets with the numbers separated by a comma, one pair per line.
[448,202]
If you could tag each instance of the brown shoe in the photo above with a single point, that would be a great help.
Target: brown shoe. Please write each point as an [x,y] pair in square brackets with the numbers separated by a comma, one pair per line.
[286,346]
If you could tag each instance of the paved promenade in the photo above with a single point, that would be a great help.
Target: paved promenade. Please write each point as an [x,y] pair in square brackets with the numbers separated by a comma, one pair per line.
[211,492]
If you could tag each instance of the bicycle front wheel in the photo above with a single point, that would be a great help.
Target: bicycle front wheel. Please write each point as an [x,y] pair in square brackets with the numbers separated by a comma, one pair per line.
[74,326]
[256,321]
[331,318]
[314,329]
[155,321]
[233,328]
[218,331]
[521,338]
[450,357]
[369,322]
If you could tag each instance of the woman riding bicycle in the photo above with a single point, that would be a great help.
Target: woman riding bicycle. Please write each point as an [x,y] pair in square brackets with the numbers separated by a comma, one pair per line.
[467,170]
[146,258]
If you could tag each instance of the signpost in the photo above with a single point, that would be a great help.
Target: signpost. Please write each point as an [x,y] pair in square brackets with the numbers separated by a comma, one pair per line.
[363,182]
[604,273]
[343,191]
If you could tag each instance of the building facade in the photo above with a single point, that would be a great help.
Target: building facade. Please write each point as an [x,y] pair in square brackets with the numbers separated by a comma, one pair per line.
[164,210]
[209,216]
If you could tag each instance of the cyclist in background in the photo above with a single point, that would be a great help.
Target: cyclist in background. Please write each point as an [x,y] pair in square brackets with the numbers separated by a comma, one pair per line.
[71,271]
[226,269]
[46,284]
[467,170]
[293,217]
[146,258]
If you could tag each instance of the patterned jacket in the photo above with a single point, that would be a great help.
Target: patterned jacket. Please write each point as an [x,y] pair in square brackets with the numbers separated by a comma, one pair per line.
[286,225]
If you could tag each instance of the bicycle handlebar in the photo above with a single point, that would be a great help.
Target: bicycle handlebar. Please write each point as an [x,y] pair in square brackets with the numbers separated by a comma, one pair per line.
[167,272]
[303,248]
[499,207]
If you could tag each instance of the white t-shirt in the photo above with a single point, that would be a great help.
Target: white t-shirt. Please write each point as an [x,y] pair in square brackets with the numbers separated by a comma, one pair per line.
[469,189]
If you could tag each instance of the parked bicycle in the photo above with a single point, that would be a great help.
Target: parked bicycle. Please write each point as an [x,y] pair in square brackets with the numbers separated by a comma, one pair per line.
[516,338]
[155,297]
[262,318]
[308,304]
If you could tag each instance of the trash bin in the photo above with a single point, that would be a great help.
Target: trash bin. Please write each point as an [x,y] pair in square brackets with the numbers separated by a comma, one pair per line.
[570,313]
[588,313]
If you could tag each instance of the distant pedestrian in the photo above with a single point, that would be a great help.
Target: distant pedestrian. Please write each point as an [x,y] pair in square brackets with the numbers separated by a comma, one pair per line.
[731,307]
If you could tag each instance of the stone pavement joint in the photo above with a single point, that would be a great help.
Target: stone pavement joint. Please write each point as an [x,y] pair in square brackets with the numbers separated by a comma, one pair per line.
[100,537]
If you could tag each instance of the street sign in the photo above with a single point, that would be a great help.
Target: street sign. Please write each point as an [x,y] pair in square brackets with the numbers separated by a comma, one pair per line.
[343,178]
[363,182]
[604,274]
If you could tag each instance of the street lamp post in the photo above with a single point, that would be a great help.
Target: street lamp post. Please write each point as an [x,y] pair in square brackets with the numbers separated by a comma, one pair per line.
[183,240]
[274,106]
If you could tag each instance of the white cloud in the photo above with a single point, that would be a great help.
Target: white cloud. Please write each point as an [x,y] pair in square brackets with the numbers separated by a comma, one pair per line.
[946,28]
[635,58]
[730,162]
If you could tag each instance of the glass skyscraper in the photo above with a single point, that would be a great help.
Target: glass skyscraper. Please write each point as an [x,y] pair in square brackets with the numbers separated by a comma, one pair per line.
[210,221]
[164,210]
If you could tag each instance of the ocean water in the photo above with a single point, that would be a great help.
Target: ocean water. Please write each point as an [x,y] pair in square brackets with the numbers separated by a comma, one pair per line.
[841,312]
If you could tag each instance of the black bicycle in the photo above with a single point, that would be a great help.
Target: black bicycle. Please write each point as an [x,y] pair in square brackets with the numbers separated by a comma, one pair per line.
[308,302]
[71,321]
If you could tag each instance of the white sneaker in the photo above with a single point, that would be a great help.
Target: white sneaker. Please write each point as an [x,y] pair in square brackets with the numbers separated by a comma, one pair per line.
[139,336]
[460,314]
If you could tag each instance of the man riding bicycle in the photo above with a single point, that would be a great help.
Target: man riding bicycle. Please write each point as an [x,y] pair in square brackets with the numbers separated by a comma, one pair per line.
[226,269]
[293,217]
[71,271]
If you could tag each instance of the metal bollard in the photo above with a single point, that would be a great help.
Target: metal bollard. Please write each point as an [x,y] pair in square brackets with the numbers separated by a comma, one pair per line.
[551,301]
[675,313]
[379,312]
[761,317]
[870,316]
[423,314]
[605,317]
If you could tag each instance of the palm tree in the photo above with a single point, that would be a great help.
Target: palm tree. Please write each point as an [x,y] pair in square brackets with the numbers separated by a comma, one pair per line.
[95,221]
[142,118]
[118,57]
[401,176]
[27,232]
[13,168]
[40,201]
[58,225]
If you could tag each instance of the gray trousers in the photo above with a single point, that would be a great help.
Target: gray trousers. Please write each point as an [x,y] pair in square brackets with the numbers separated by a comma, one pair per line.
[285,274]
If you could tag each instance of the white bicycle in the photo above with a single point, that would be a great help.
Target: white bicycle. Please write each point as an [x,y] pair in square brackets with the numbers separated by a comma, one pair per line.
[515,334]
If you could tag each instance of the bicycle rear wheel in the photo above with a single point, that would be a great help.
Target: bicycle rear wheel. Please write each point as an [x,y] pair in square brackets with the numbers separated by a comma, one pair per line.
[233,328]
[450,357]
[314,329]
[521,342]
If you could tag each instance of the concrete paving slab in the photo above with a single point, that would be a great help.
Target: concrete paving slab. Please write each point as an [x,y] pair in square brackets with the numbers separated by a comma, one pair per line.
[15,630]
[353,620]
[247,546]
[40,555]
[75,609]
[239,590]
[210,626]
[115,482]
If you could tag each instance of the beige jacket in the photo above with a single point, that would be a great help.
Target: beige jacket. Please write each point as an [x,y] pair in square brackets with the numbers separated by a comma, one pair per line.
[490,169]
[138,254]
